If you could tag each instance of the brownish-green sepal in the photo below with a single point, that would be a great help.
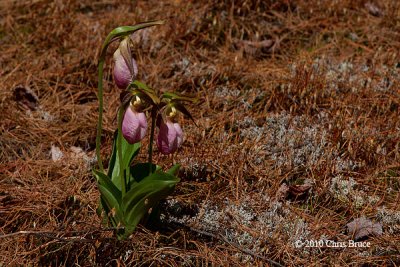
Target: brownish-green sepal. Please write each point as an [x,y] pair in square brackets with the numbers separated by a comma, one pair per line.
[124,31]
[174,96]
[180,107]
[125,97]
[145,92]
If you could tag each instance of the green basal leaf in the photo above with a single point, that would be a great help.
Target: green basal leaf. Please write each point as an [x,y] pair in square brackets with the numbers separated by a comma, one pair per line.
[158,185]
[111,203]
[110,195]
[103,211]
[142,208]
[137,203]
[174,169]
[151,182]
[161,176]
[129,152]
[104,180]
[140,190]
[141,170]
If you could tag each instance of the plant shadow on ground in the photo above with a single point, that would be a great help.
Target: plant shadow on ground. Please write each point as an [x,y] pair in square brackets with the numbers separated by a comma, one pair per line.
[298,130]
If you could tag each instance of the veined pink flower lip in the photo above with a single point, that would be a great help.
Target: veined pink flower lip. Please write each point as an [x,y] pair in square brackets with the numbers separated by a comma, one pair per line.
[170,137]
[134,125]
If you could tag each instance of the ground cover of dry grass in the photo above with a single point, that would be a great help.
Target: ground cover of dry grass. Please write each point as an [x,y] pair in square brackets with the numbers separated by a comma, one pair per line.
[298,130]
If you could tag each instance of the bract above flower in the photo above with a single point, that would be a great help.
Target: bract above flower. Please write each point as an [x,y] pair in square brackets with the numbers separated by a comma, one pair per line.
[125,67]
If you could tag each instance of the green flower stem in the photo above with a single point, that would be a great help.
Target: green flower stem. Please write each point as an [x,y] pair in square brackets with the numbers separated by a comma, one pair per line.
[119,150]
[99,124]
[153,125]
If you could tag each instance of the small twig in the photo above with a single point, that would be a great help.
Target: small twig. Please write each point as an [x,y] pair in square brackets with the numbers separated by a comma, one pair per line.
[49,235]
[23,233]
[219,237]
[53,235]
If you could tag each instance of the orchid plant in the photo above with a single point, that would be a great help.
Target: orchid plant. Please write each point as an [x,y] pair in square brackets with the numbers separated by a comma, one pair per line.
[130,192]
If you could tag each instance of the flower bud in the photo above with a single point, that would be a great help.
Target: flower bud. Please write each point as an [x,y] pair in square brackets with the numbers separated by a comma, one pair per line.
[134,125]
[125,67]
[170,137]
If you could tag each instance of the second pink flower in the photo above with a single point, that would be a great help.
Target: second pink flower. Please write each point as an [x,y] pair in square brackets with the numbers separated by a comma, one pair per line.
[170,137]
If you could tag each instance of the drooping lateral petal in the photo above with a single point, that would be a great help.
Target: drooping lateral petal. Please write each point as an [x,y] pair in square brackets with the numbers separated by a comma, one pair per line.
[179,134]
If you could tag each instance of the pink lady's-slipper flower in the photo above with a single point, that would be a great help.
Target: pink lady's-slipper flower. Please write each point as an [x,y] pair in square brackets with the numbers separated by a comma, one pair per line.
[125,67]
[170,137]
[134,124]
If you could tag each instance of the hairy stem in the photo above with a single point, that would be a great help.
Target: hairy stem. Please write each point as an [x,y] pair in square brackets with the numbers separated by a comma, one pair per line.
[99,124]
[119,150]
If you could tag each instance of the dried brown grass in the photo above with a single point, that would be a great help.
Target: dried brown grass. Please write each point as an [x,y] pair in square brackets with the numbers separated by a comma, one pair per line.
[254,64]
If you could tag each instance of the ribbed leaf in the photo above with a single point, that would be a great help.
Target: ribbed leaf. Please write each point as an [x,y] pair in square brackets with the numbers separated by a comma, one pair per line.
[174,169]
[111,202]
[161,176]
[142,207]
[147,198]
[102,211]
[146,185]
[110,195]
[140,190]
[141,170]
[129,152]
[155,187]
[104,180]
